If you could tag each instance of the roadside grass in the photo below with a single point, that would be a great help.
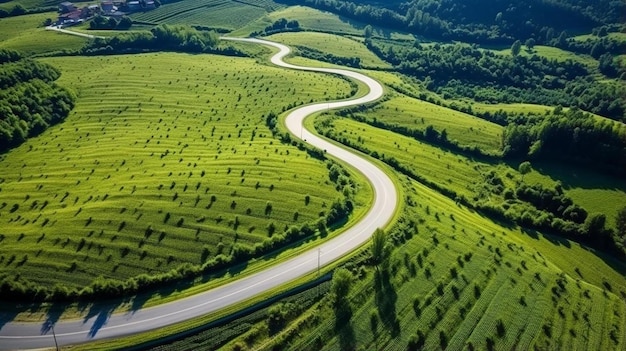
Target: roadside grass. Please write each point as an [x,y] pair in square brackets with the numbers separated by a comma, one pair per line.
[148,174]
[333,44]
[224,14]
[26,34]
[464,281]
[417,114]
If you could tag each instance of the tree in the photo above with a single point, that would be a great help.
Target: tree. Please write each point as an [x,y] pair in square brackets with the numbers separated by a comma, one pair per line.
[380,249]
[525,168]
[341,283]
[125,23]
[530,44]
[516,48]
[368,31]
[620,224]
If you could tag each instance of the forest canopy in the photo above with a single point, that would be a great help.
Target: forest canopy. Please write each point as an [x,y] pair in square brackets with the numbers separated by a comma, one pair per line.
[30,101]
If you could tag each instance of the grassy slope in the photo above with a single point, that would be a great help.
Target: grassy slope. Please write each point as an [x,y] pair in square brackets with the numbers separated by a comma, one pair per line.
[417,114]
[26,34]
[212,13]
[135,149]
[465,176]
[308,18]
[501,274]
[553,53]
[334,44]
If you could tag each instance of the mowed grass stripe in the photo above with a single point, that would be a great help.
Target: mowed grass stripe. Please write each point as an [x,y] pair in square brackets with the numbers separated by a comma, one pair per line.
[416,114]
[134,168]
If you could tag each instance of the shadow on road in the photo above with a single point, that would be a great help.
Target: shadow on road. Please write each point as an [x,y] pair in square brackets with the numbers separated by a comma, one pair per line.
[52,317]
[101,314]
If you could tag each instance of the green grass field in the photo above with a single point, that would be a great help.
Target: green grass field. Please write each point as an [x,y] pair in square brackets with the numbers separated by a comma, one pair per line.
[466,176]
[334,44]
[460,279]
[165,160]
[416,114]
[225,14]
[309,18]
[553,53]
[28,4]
[26,34]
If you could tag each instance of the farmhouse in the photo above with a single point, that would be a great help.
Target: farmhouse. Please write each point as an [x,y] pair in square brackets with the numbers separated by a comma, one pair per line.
[67,7]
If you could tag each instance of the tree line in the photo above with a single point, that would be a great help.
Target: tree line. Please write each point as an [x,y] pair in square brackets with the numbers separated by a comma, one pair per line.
[466,71]
[478,21]
[571,137]
[30,101]
[164,37]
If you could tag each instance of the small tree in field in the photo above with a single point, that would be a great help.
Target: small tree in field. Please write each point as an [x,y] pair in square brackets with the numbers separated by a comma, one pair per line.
[380,249]
[525,168]
[620,223]
[516,48]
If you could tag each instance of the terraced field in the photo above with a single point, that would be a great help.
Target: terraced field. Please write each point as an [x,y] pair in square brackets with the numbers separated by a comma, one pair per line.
[166,160]
[211,13]
[416,114]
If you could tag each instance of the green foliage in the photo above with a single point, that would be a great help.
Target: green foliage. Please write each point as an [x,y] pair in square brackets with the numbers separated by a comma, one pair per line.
[516,48]
[380,250]
[473,21]
[164,37]
[462,71]
[569,137]
[30,101]
[341,283]
[525,168]
[162,136]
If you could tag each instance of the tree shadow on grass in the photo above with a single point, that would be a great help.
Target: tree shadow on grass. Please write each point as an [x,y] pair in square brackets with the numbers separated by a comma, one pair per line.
[343,326]
[386,298]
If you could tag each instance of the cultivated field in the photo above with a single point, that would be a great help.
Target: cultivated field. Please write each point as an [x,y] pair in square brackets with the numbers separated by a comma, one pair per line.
[224,14]
[165,160]
[468,177]
[460,281]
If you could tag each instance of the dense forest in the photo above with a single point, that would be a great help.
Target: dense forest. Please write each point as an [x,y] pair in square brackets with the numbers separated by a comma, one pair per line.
[30,101]
[571,136]
[480,21]
[467,71]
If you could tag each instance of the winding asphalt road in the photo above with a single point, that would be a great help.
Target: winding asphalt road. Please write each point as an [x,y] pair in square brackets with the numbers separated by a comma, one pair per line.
[14,335]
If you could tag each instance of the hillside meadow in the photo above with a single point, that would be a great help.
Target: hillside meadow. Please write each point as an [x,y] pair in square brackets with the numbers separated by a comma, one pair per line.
[336,45]
[458,280]
[469,176]
[27,34]
[166,160]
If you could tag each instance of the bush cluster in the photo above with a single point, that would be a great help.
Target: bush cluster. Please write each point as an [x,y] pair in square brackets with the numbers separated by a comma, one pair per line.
[30,101]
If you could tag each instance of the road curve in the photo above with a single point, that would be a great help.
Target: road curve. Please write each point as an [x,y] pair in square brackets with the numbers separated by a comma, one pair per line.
[102,325]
